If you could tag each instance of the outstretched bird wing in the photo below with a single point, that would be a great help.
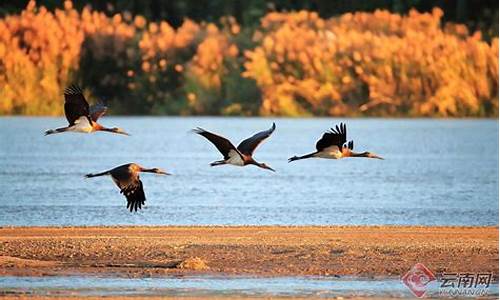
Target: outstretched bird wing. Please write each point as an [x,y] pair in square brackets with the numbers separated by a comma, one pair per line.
[248,146]
[335,137]
[223,145]
[75,105]
[135,195]
[97,110]
[130,185]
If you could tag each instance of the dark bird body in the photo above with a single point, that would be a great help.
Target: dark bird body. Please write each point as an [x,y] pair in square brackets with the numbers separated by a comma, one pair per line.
[82,117]
[126,177]
[241,155]
[333,145]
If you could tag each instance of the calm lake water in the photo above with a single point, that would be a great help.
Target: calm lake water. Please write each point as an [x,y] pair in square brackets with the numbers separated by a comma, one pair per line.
[205,286]
[435,172]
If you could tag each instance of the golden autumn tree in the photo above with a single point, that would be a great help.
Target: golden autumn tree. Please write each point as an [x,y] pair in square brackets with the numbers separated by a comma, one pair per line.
[372,63]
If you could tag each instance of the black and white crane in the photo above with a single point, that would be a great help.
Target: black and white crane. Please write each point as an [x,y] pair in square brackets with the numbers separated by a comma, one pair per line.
[333,145]
[241,155]
[82,117]
[126,177]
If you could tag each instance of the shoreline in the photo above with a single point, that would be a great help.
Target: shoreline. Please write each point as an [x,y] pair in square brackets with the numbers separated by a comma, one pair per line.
[145,251]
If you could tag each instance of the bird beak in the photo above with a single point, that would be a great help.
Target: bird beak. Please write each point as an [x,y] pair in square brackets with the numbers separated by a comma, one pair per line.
[376,156]
[161,172]
[121,131]
[269,168]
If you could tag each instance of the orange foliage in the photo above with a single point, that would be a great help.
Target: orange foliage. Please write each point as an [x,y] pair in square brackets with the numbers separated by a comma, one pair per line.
[38,51]
[196,52]
[207,64]
[44,50]
[372,63]
[363,63]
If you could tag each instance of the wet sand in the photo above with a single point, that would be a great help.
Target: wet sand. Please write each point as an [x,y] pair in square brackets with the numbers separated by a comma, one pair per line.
[366,251]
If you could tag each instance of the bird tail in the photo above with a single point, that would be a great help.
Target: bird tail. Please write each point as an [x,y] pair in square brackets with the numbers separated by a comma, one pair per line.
[301,157]
[97,174]
[57,130]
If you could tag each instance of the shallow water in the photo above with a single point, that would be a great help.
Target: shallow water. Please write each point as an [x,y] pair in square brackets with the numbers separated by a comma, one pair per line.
[436,172]
[202,286]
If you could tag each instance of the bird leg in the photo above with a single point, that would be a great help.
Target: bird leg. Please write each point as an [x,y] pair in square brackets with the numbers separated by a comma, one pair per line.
[57,130]
[302,157]
[218,163]
[97,174]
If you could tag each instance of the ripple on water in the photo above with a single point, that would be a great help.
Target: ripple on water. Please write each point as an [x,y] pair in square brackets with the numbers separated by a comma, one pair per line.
[436,172]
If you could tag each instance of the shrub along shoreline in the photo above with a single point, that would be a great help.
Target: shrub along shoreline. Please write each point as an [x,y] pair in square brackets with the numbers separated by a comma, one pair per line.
[293,64]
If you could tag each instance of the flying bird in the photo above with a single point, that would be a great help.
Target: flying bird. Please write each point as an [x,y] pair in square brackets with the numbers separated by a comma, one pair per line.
[126,177]
[80,116]
[333,145]
[241,155]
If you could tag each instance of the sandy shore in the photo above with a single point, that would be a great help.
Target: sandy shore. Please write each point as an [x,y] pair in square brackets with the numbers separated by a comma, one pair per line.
[268,250]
